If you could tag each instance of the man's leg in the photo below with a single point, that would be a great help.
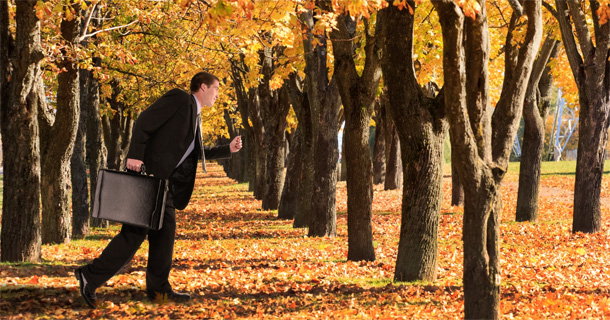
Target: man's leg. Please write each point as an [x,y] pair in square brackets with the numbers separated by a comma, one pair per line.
[160,252]
[117,254]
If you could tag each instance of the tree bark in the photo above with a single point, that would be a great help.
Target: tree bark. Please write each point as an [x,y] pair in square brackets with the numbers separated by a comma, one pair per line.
[275,105]
[422,128]
[358,97]
[325,104]
[393,173]
[457,190]
[236,166]
[96,154]
[21,235]
[300,104]
[58,132]
[78,168]
[117,132]
[379,149]
[482,152]
[535,110]
[590,70]
[243,107]
[290,193]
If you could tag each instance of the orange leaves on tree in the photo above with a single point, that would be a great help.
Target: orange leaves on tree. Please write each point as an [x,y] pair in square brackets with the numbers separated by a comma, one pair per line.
[603,12]
[470,7]
[401,4]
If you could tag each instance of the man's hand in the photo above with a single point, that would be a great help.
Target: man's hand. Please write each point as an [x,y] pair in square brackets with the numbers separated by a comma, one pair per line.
[134,165]
[235,145]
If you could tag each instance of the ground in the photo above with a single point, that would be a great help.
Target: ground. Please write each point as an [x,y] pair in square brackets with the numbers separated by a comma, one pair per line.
[241,262]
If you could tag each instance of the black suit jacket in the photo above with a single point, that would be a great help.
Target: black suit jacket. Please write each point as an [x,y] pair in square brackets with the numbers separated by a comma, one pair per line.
[160,137]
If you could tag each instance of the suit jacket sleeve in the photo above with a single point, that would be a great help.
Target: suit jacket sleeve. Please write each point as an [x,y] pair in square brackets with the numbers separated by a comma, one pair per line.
[218,152]
[154,117]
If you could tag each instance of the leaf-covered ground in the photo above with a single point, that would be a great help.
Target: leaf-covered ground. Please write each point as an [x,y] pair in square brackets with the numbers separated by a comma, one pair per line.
[241,262]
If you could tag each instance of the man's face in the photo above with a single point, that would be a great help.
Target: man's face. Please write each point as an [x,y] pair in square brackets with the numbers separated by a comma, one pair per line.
[210,93]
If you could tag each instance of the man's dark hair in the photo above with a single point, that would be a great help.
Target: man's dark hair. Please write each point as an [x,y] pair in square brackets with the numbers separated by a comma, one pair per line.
[202,77]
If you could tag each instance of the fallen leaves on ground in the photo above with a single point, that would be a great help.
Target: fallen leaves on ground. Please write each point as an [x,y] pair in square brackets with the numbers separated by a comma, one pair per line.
[238,261]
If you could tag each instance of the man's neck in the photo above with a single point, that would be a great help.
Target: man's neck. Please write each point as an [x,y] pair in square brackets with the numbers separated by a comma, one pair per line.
[198,103]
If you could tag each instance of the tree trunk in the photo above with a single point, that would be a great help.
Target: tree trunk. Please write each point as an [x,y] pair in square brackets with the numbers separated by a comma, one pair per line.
[259,146]
[117,132]
[457,190]
[326,150]
[358,97]
[379,149]
[80,189]
[393,173]
[274,107]
[535,110]
[96,155]
[57,143]
[234,167]
[483,153]
[20,235]
[325,104]
[290,193]
[422,128]
[300,104]
[590,71]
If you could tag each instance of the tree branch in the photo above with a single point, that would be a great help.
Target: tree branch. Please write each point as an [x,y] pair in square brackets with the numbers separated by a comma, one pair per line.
[569,42]
[550,9]
[517,9]
[582,31]
[83,37]
[86,26]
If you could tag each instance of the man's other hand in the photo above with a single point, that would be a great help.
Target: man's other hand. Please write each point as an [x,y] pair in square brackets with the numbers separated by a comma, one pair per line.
[134,165]
[235,145]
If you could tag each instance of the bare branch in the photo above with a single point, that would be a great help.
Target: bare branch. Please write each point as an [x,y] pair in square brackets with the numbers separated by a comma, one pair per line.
[83,37]
[550,9]
[516,7]
[86,26]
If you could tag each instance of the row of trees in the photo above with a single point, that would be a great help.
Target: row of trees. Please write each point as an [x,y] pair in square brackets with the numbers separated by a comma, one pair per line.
[68,103]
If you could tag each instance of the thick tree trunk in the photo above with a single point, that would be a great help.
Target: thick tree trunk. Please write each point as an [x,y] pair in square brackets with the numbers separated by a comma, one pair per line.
[483,153]
[379,149]
[358,97]
[275,170]
[422,128]
[290,193]
[325,103]
[300,102]
[57,145]
[592,139]
[359,185]
[589,63]
[535,110]
[20,235]
[80,188]
[326,150]
[274,107]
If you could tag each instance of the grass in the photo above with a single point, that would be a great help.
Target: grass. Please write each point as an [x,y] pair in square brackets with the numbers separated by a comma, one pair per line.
[564,168]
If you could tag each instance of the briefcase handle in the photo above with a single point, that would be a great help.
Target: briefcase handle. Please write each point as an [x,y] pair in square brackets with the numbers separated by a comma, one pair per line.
[142,169]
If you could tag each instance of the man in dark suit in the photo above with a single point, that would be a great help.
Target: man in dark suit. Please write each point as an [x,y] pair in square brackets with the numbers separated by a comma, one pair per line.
[166,138]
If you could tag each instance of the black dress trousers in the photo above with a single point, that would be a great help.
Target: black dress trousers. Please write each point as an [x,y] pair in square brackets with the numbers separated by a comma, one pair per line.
[124,245]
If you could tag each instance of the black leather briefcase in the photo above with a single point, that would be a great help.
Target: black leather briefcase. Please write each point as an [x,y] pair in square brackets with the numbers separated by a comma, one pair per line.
[130,198]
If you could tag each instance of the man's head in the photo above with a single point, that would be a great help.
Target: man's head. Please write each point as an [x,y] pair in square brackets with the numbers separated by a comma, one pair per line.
[205,87]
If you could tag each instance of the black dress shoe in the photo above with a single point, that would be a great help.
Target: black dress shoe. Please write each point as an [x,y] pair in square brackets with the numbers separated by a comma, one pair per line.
[86,290]
[169,296]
